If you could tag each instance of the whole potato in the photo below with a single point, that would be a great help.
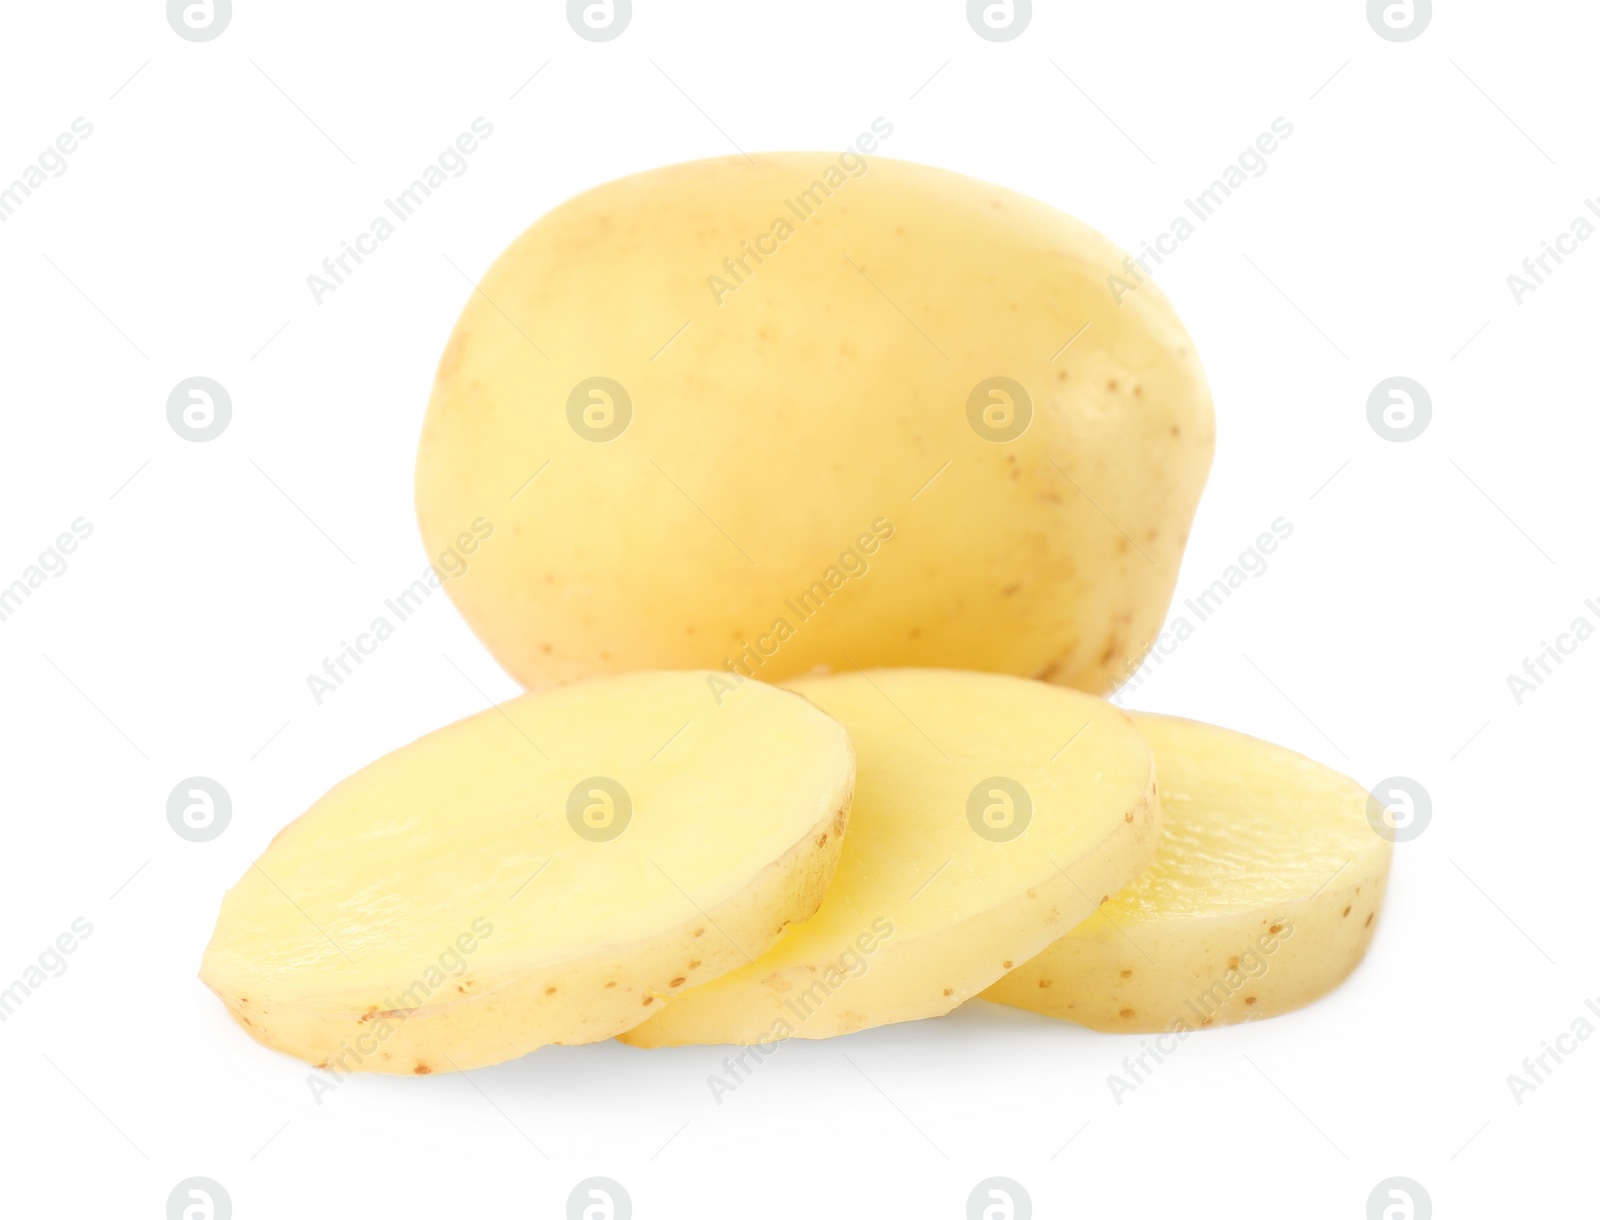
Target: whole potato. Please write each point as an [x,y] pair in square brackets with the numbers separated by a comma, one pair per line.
[807,410]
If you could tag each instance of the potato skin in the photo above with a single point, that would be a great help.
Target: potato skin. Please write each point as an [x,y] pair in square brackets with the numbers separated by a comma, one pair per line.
[1263,897]
[798,484]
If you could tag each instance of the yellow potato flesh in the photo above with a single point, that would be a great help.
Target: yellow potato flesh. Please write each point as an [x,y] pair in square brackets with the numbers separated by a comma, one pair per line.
[1263,896]
[799,483]
[441,908]
[925,910]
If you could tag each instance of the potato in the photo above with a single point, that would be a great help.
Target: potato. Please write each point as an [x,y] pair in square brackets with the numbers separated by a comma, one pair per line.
[545,871]
[1263,895]
[797,410]
[992,814]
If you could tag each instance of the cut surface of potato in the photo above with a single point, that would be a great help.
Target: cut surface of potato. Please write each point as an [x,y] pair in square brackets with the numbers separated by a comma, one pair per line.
[796,410]
[1264,895]
[546,871]
[992,813]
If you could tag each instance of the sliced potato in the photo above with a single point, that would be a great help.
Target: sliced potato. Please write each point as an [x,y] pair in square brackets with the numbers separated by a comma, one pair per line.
[545,871]
[992,814]
[1263,895]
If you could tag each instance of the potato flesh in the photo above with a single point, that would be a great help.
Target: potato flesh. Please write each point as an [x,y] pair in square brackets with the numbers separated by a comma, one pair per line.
[946,910]
[777,442]
[370,909]
[1264,895]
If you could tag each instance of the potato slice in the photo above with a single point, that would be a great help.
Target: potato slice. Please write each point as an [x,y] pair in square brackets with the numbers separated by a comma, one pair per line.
[1263,896]
[992,814]
[545,871]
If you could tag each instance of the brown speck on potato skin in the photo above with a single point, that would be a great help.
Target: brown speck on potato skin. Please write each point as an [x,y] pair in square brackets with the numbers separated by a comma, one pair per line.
[611,984]
[1011,589]
[694,963]
[699,931]
[677,982]
[1127,1012]
[1249,999]
[1104,898]
[1112,385]
[1368,924]
[1233,963]
[649,1000]
[422,1069]
[948,991]
[1007,965]
[552,990]
[1128,817]
[1127,974]
[1275,928]
[1045,982]
[1346,912]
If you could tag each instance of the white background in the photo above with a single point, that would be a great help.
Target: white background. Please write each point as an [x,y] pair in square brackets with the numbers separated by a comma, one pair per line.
[177,643]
